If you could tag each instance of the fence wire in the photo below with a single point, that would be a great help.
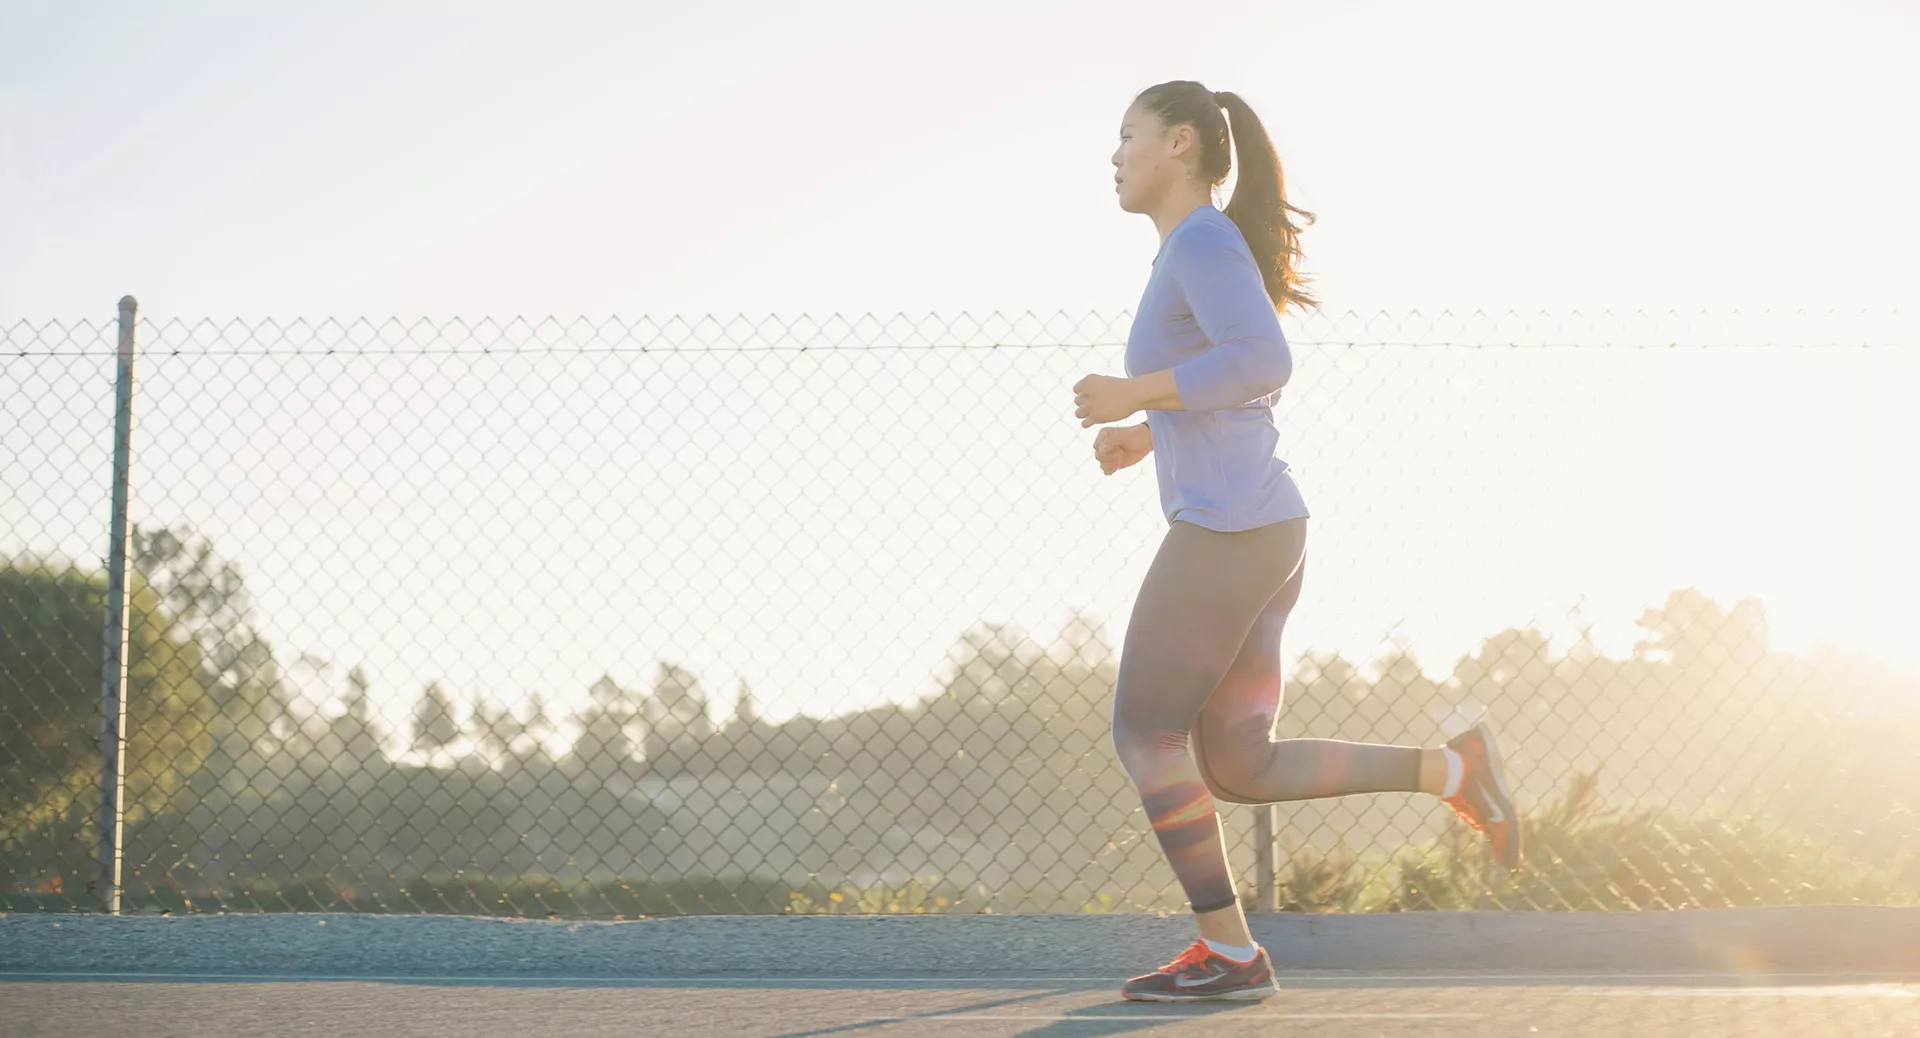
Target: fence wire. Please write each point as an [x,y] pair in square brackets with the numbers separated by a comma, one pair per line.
[619,618]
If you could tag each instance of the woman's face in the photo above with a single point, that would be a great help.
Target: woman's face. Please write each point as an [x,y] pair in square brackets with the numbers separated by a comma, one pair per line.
[1149,159]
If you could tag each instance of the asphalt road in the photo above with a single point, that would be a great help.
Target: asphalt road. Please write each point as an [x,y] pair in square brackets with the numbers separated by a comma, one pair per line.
[1313,1003]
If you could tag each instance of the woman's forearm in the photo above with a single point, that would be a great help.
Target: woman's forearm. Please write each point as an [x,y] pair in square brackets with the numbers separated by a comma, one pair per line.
[1156,392]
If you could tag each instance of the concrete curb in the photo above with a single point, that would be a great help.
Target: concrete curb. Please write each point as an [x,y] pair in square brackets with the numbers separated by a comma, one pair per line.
[1854,939]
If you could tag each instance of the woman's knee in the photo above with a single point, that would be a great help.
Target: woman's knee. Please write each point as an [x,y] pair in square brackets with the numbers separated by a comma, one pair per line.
[1147,752]
[1230,764]
[1217,785]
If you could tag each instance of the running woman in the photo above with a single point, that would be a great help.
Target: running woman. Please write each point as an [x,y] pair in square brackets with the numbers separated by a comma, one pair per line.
[1200,683]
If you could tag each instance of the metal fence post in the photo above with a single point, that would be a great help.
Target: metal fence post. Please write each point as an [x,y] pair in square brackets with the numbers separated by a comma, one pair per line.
[1266,897]
[113,671]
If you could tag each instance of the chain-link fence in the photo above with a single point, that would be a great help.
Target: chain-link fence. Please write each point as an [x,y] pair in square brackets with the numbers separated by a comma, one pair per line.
[608,618]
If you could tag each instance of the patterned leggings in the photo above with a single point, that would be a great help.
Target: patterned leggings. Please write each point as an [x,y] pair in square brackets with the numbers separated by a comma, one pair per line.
[1200,669]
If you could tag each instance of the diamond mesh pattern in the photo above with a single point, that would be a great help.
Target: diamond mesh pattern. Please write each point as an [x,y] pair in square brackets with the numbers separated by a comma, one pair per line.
[617,618]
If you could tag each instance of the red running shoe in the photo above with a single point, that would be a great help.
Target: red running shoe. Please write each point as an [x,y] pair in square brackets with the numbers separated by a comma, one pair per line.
[1483,800]
[1202,974]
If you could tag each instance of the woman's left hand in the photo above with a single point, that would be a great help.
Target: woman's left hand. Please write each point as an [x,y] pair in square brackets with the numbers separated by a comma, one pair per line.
[1099,399]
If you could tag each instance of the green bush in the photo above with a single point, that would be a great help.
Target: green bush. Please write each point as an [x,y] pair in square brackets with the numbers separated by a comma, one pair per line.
[1585,856]
[1582,855]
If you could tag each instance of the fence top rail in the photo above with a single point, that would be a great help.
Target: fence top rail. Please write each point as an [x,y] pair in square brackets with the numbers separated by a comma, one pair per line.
[835,332]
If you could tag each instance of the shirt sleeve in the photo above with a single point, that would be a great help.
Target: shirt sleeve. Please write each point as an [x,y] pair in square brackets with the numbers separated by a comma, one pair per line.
[1249,358]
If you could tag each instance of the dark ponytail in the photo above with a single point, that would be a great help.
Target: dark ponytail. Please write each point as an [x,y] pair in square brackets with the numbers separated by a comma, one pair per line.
[1259,205]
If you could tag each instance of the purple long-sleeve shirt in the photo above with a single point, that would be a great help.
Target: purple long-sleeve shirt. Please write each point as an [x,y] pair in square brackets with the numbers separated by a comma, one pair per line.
[1205,314]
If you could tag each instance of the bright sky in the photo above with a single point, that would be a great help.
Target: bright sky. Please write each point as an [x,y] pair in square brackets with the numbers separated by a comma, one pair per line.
[223,160]
[441,159]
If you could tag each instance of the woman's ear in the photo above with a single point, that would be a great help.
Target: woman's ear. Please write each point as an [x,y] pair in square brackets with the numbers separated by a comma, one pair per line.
[1184,141]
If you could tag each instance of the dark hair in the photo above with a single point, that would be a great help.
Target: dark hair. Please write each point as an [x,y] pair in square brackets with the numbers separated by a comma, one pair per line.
[1259,205]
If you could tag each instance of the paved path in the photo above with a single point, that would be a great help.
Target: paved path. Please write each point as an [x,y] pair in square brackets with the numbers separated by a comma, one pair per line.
[1796,971]
[1318,1003]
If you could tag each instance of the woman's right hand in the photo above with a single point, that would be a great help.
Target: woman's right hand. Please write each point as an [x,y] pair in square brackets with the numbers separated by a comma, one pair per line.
[1117,448]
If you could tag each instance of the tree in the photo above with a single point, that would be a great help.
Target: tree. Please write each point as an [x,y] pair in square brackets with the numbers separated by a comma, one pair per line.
[348,742]
[528,746]
[676,718]
[746,712]
[606,743]
[992,663]
[1509,671]
[742,746]
[434,725]
[1321,696]
[206,595]
[1401,695]
[493,730]
[1697,636]
[51,622]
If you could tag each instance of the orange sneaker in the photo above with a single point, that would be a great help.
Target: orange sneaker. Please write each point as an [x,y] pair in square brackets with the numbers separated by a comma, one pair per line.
[1483,800]
[1201,974]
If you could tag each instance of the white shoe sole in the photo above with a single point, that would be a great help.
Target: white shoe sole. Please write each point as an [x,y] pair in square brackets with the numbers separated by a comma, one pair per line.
[1500,783]
[1252,994]
[1493,764]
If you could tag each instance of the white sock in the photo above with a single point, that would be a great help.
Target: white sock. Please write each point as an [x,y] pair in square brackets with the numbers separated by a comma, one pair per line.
[1236,952]
[1456,770]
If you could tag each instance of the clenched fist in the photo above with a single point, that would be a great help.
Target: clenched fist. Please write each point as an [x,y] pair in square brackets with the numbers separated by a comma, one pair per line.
[1099,399]
[1117,448]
